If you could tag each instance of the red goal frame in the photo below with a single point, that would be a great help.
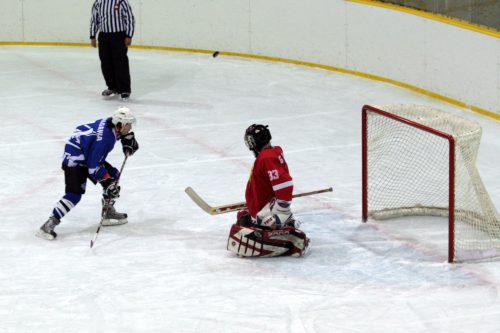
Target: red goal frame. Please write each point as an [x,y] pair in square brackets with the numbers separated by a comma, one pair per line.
[451,181]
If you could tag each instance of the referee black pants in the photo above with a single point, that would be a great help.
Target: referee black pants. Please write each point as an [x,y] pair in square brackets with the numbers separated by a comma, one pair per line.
[114,61]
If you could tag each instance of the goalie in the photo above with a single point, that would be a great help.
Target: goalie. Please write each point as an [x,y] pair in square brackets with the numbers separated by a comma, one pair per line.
[267,228]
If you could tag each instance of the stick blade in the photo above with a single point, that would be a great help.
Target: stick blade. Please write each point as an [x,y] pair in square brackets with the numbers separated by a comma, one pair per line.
[199,201]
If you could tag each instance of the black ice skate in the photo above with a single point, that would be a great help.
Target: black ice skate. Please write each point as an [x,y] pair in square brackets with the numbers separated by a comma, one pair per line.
[108,93]
[47,229]
[125,96]
[110,216]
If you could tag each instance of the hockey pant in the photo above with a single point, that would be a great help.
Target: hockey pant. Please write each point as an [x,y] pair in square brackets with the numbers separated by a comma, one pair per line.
[75,179]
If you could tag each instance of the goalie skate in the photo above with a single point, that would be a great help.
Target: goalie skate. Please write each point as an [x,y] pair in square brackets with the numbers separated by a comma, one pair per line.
[110,217]
[255,242]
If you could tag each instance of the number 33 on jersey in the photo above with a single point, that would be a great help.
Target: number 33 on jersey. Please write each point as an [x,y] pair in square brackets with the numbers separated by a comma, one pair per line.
[274,174]
[269,179]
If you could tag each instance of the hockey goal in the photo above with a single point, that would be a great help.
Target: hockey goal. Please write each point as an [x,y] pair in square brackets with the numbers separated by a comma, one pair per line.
[418,160]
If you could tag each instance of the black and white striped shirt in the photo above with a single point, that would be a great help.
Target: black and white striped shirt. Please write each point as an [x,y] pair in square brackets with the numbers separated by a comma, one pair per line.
[112,16]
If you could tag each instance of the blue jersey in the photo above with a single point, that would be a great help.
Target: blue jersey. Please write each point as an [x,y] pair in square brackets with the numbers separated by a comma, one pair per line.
[89,146]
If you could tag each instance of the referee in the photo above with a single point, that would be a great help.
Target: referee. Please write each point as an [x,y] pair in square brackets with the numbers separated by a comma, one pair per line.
[115,22]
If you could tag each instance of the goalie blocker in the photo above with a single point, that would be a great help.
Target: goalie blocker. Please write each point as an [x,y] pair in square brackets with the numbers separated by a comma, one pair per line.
[248,241]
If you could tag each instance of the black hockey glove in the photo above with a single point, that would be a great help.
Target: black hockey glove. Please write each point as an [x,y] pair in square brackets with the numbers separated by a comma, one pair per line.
[111,190]
[129,144]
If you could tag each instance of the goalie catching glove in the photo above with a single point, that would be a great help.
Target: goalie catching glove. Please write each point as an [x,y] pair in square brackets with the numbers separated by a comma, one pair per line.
[129,144]
[110,187]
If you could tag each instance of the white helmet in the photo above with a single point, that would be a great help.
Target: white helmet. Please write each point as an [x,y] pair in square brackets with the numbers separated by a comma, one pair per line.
[123,116]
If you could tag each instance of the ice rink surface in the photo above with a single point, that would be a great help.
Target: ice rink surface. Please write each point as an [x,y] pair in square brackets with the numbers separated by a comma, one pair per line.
[168,269]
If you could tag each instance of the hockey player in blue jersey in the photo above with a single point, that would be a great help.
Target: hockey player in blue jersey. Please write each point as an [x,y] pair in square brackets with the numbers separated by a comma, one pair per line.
[84,157]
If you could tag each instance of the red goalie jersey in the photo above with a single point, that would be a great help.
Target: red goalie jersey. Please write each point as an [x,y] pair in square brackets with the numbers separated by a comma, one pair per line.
[269,179]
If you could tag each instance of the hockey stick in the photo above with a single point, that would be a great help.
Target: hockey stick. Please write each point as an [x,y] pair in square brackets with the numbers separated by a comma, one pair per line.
[236,206]
[92,241]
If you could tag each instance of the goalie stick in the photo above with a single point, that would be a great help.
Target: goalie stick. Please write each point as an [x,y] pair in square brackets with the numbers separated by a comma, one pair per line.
[236,206]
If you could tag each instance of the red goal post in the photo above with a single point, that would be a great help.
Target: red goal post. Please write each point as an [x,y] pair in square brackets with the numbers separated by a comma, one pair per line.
[417,160]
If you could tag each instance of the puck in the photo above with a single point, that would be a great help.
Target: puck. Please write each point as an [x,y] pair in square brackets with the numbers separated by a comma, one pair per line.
[215,54]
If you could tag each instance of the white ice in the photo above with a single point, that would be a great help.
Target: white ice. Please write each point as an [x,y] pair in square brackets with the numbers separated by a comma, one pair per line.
[168,270]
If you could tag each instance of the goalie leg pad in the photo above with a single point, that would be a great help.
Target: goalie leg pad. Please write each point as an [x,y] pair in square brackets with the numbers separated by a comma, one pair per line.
[255,242]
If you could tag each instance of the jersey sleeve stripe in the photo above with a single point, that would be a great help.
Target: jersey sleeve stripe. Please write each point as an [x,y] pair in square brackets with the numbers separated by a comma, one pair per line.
[73,145]
[283,185]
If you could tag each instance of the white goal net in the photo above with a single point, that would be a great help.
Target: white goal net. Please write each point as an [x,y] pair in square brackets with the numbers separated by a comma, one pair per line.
[418,160]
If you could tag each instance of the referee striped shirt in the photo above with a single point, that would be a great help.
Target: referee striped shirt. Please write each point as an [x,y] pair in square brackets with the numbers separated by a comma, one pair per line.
[112,16]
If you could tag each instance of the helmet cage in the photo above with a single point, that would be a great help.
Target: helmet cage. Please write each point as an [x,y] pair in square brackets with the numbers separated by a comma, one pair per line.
[256,137]
[249,142]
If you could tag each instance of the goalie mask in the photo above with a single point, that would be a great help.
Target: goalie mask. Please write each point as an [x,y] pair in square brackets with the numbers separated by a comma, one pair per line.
[257,137]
